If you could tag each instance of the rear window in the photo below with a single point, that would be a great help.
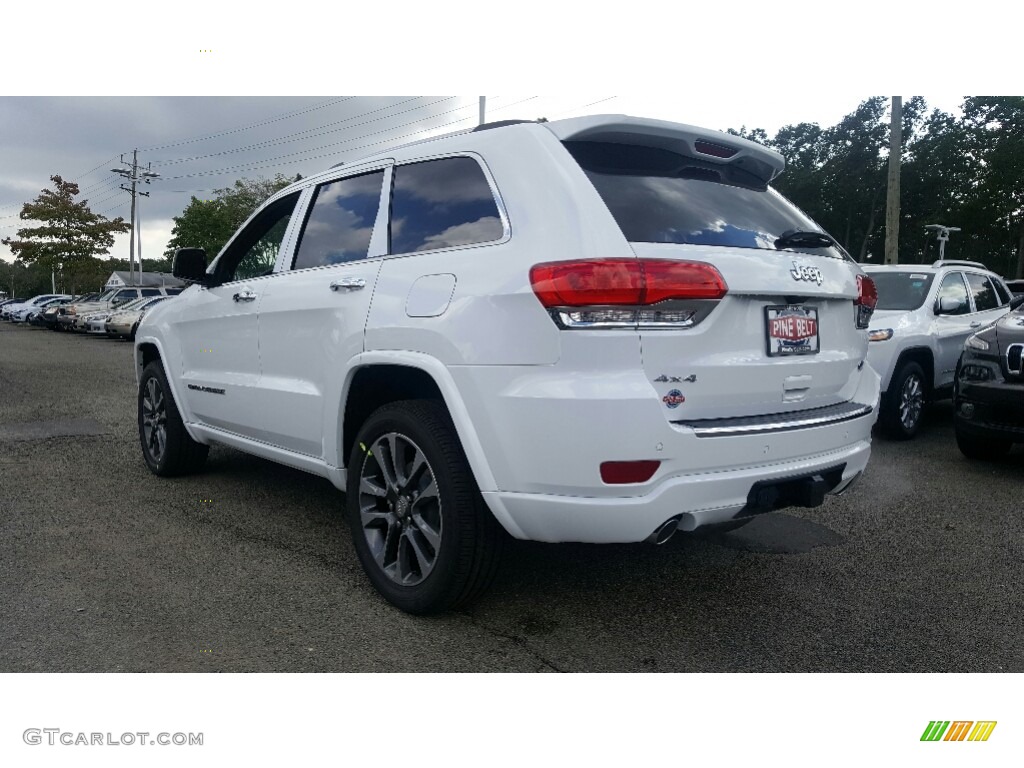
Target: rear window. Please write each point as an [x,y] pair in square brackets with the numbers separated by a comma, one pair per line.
[658,196]
[901,290]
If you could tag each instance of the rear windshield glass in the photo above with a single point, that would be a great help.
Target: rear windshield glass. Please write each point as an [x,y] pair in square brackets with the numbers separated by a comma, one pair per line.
[658,196]
[901,290]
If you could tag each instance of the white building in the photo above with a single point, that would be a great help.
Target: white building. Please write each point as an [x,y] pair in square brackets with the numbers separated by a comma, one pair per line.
[119,279]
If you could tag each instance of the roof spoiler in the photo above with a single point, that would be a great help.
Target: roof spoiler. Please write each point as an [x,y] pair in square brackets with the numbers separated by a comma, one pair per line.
[707,145]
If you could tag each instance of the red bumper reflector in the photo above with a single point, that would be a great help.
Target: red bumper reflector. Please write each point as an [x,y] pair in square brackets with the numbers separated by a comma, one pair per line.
[623,472]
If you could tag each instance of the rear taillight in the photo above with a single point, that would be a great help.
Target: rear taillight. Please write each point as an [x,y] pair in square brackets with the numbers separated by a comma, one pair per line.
[867,299]
[616,293]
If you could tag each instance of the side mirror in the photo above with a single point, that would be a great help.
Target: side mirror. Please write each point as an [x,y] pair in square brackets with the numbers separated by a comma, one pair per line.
[948,306]
[190,265]
[1016,302]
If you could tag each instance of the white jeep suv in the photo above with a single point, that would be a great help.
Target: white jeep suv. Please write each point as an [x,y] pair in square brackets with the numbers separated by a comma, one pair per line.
[602,329]
[924,315]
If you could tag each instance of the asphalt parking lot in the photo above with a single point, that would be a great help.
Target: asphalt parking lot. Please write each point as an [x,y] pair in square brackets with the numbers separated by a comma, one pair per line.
[249,566]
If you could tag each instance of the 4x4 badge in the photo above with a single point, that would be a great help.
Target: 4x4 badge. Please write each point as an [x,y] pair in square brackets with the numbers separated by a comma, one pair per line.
[803,272]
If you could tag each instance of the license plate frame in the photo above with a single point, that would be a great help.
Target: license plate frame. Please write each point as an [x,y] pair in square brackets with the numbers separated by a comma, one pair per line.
[791,321]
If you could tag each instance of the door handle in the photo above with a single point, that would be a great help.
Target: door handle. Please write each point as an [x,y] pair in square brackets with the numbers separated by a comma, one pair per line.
[348,284]
[244,296]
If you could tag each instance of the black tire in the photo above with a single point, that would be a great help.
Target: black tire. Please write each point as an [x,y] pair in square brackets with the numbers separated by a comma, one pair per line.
[904,403]
[178,454]
[470,539]
[981,449]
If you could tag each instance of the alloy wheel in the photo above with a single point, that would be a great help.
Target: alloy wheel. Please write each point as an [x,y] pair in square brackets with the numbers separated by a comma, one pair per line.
[154,419]
[400,509]
[911,401]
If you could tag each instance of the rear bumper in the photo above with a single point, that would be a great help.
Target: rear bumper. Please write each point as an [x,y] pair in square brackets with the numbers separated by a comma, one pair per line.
[696,500]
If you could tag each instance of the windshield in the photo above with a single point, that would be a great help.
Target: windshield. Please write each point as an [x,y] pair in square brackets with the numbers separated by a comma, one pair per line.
[901,290]
[658,196]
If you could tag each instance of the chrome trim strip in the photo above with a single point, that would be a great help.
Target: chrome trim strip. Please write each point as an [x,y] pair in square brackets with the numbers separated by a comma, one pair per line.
[756,425]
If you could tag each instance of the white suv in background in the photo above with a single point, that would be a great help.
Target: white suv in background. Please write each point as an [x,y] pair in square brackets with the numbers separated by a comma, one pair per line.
[602,329]
[924,315]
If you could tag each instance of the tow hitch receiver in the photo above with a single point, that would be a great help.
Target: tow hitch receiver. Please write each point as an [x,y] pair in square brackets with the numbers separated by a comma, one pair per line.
[799,491]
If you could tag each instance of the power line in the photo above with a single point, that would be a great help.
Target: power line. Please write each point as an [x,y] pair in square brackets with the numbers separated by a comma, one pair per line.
[270,162]
[314,132]
[286,116]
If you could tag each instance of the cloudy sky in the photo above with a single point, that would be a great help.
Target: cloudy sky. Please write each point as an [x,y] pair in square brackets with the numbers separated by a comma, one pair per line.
[202,143]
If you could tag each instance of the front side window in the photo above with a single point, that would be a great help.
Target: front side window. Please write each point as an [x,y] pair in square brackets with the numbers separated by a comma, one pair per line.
[660,196]
[952,287]
[150,292]
[340,221]
[982,291]
[254,252]
[442,204]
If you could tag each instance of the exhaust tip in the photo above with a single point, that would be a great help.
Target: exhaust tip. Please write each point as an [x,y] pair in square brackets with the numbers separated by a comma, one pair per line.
[664,532]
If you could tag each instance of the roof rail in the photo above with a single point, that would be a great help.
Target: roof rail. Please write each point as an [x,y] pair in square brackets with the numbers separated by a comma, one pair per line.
[500,124]
[957,263]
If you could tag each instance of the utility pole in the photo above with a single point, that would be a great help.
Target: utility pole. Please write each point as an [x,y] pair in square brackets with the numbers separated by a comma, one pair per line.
[135,174]
[483,108]
[892,200]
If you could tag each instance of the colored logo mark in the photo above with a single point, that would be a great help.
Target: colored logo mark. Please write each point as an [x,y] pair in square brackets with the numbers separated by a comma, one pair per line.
[958,730]
[673,399]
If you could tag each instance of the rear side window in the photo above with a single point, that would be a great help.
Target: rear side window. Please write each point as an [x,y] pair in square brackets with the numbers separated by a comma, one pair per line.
[1004,295]
[442,204]
[340,221]
[982,291]
[150,292]
[659,196]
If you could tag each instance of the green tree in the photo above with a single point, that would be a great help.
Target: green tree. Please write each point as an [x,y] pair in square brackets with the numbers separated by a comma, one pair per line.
[996,209]
[69,235]
[210,223]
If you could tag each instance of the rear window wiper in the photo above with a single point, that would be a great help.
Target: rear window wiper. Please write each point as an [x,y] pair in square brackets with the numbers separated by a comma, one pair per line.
[798,238]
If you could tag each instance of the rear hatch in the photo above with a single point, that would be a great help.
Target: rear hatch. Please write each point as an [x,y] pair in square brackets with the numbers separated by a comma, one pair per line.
[784,336]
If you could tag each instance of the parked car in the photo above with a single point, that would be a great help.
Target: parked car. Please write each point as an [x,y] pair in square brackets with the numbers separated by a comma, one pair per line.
[71,319]
[8,310]
[603,329]
[988,397]
[924,315]
[38,319]
[123,323]
[7,302]
[29,311]
[96,322]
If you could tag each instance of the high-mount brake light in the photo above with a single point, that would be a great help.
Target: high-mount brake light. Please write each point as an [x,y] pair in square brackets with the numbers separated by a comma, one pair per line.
[714,150]
[866,301]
